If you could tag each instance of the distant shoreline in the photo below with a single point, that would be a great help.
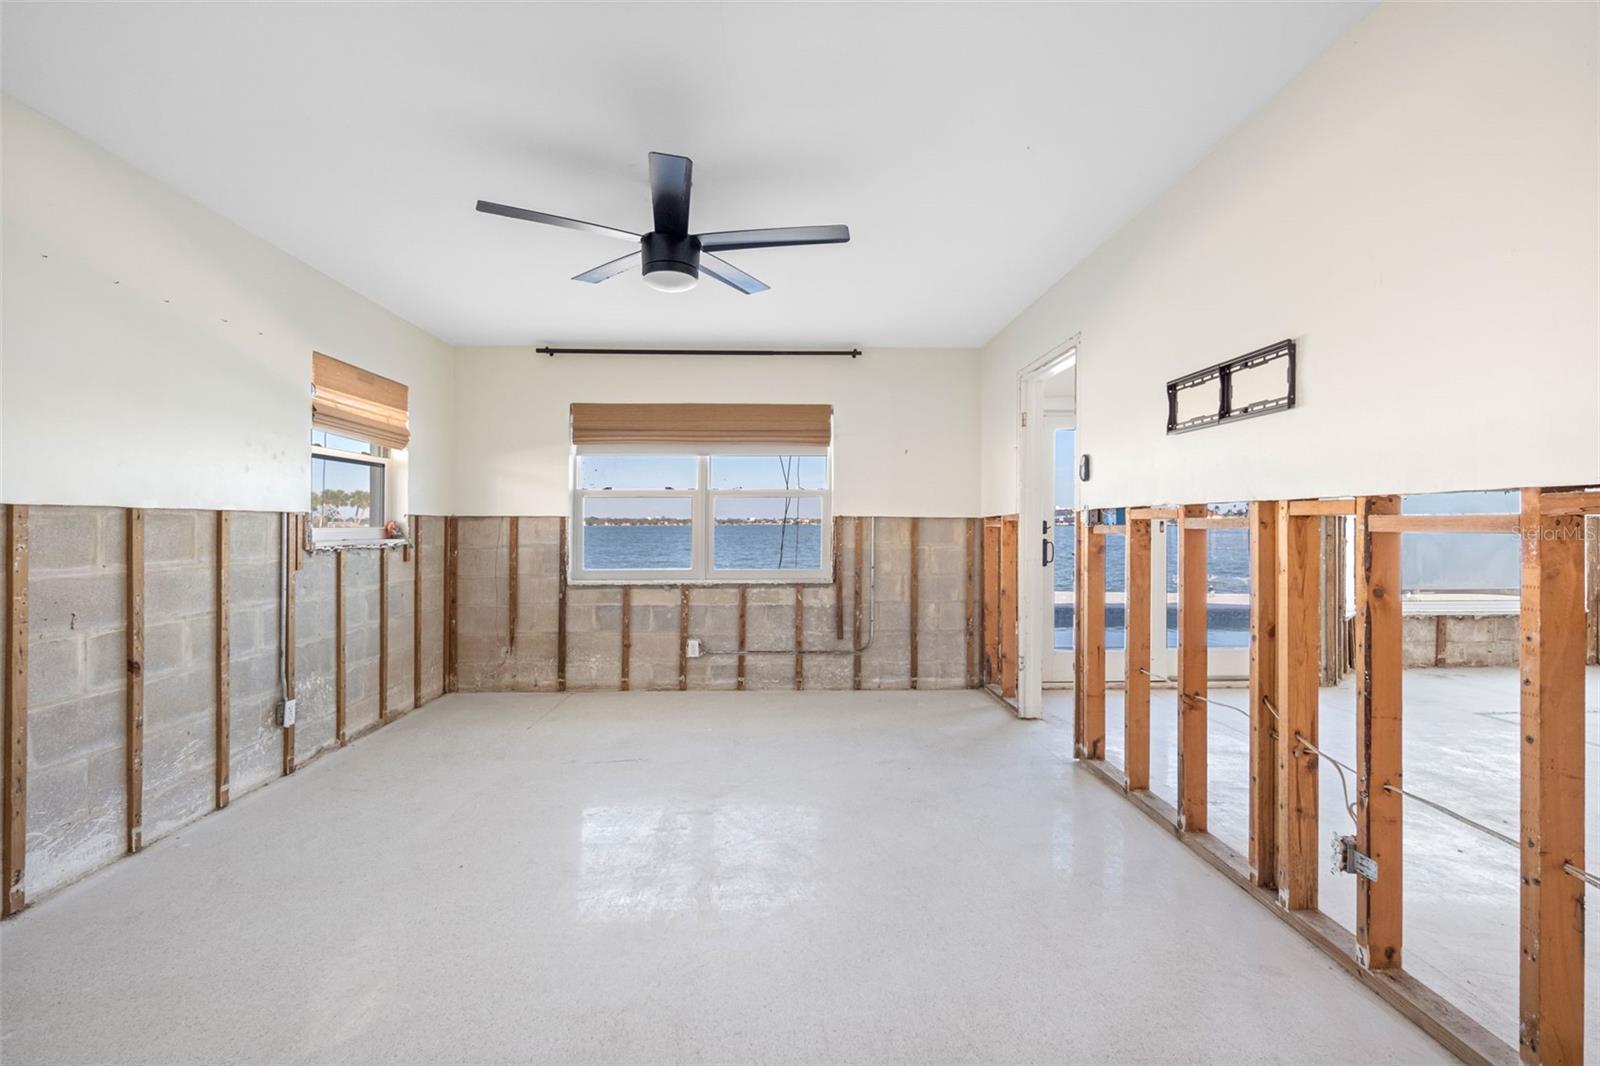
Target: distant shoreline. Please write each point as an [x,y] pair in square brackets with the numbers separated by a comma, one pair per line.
[690,522]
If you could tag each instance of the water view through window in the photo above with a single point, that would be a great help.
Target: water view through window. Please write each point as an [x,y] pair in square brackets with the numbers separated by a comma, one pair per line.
[765,512]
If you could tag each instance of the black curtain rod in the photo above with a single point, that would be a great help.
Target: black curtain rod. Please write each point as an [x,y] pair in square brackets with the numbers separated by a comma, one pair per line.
[553,352]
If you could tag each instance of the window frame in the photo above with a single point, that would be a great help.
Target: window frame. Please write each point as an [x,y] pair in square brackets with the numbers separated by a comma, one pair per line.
[701,569]
[379,457]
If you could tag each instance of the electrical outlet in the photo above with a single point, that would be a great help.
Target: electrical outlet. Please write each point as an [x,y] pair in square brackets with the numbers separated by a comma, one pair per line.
[693,647]
[286,714]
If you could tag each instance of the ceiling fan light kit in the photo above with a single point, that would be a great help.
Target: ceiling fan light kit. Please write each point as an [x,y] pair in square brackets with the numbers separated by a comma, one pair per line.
[671,264]
[670,257]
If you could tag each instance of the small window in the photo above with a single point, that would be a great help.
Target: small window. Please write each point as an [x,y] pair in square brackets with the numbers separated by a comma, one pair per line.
[348,482]
[360,429]
[737,516]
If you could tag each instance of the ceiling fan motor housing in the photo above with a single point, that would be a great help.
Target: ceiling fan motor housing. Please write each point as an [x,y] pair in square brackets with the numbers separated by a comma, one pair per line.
[664,251]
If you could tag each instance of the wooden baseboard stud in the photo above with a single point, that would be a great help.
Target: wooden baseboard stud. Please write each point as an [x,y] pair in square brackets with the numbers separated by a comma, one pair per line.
[1193,664]
[1263,694]
[1299,634]
[224,655]
[135,691]
[1136,683]
[1379,661]
[1551,979]
[16,707]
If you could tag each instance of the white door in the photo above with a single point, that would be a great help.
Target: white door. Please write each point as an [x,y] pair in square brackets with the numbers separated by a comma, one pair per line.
[1059,544]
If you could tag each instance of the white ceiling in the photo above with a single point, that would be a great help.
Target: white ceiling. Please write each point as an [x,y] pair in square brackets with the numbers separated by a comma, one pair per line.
[976,151]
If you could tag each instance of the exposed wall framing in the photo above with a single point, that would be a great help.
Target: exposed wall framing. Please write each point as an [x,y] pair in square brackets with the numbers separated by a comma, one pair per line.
[512,538]
[1592,547]
[1263,854]
[383,635]
[452,612]
[855,604]
[1193,684]
[135,695]
[1090,646]
[1378,749]
[1289,580]
[15,835]
[915,614]
[683,639]
[800,640]
[416,612]
[1552,999]
[291,563]
[1336,651]
[340,733]
[1136,685]
[625,650]
[224,656]
[561,610]
[1299,639]
[744,597]
[999,594]
[973,597]
[1008,607]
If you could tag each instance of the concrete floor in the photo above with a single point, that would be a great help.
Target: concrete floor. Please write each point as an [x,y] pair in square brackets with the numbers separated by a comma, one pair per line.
[1461,887]
[697,877]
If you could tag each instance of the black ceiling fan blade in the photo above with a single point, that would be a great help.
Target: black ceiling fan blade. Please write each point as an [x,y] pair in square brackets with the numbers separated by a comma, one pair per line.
[609,270]
[670,179]
[731,275]
[782,237]
[555,220]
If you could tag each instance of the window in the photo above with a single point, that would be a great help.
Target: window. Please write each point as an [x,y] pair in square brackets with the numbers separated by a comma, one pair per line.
[745,513]
[348,478]
[1477,573]
[359,433]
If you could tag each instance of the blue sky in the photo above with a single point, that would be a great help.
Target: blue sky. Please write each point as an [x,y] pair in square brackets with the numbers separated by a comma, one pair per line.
[623,472]
[1066,466]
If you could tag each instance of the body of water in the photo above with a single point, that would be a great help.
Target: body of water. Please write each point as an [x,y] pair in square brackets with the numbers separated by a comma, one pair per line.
[735,547]
[1227,560]
[1227,571]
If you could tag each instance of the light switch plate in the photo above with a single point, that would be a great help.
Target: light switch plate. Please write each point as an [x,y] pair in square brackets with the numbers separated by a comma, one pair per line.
[692,646]
[286,716]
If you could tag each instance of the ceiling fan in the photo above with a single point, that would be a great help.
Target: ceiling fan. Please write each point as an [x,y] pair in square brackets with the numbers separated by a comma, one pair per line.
[672,257]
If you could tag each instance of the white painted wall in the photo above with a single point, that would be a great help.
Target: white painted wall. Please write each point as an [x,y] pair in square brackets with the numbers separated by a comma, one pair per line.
[1419,211]
[157,355]
[905,421]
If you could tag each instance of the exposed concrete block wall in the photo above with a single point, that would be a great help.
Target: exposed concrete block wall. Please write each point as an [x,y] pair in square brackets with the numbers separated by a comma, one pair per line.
[769,635]
[594,638]
[486,661]
[360,642]
[313,657]
[886,662]
[77,681]
[180,668]
[653,661]
[714,619]
[255,636]
[942,566]
[430,549]
[1462,640]
[402,642]
[487,658]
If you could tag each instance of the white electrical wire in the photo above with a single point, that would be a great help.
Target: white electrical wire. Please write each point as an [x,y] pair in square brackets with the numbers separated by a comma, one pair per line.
[1579,872]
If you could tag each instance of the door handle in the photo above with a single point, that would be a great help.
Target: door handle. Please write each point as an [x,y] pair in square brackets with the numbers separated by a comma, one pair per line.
[1049,552]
